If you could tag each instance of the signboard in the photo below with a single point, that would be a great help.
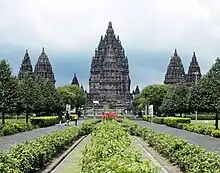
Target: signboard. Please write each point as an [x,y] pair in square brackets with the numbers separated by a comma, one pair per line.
[146,113]
[96,102]
[151,110]
[68,108]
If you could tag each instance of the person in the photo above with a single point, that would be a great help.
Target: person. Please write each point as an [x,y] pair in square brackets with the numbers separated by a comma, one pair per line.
[75,117]
[67,118]
[60,118]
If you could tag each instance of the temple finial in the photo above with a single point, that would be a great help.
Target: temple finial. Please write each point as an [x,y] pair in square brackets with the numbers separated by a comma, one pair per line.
[110,25]
[175,53]
[74,74]
[43,50]
[26,52]
[194,54]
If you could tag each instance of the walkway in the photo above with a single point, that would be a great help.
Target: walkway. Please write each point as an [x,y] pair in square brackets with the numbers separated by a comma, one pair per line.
[207,142]
[6,142]
[72,162]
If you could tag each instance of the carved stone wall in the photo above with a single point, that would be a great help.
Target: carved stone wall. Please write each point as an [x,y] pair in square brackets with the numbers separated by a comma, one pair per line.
[109,80]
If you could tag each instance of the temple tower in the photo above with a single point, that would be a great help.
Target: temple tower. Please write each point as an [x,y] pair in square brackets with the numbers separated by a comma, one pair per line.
[43,68]
[26,67]
[109,81]
[194,72]
[75,80]
[175,71]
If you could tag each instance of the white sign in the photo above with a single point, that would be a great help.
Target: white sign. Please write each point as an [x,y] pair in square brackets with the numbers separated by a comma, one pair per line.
[151,110]
[68,108]
[96,102]
[146,113]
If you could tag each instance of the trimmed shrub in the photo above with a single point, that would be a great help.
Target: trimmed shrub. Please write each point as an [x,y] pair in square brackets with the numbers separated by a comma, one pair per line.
[44,121]
[31,156]
[111,150]
[173,121]
[189,157]
[12,128]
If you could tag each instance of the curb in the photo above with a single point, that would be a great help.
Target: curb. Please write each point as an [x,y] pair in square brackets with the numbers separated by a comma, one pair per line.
[62,157]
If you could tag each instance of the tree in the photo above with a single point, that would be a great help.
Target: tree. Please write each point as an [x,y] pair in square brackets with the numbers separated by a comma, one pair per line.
[206,96]
[176,100]
[73,95]
[152,95]
[27,97]
[8,86]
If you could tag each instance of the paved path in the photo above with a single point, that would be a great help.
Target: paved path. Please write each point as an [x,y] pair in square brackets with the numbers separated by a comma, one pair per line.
[207,142]
[6,142]
[72,162]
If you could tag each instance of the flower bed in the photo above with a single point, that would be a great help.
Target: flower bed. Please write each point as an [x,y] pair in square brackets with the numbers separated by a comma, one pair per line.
[32,156]
[109,116]
[111,150]
[189,157]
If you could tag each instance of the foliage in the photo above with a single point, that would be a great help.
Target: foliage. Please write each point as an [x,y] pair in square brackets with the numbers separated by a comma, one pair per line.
[152,95]
[173,121]
[32,156]
[12,128]
[111,150]
[189,157]
[8,86]
[72,95]
[44,121]
[176,100]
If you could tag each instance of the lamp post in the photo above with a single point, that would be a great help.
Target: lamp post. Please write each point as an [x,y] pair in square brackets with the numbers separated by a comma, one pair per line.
[196,81]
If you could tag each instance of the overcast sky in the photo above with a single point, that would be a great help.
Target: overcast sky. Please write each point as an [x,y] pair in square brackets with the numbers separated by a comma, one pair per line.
[150,30]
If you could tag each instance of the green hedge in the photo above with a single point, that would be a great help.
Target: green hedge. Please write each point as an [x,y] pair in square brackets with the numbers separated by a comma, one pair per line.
[12,128]
[173,121]
[111,150]
[189,157]
[44,121]
[30,157]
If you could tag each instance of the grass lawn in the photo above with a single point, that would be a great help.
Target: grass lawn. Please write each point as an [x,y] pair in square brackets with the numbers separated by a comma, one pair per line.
[211,122]
[72,162]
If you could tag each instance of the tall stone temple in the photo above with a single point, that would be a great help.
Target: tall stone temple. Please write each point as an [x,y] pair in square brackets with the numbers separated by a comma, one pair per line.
[26,67]
[109,81]
[194,72]
[43,68]
[175,71]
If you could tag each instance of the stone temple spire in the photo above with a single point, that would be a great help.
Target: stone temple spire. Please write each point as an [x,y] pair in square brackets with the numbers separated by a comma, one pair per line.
[137,91]
[109,81]
[75,80]
[194,72]
[26,67]
[175,71]
[43,68]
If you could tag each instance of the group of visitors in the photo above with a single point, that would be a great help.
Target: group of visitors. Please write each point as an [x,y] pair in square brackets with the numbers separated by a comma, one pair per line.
[67,118]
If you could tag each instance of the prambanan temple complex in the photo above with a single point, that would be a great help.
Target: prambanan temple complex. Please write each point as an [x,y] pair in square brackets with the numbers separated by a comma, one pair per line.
[109,81]
[176,74]
[42,70]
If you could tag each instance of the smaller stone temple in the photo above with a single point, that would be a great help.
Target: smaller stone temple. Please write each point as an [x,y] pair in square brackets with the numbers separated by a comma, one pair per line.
[175,71]
[26,67]
[136,91]
[194,72]
[43,68]
[75,80]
